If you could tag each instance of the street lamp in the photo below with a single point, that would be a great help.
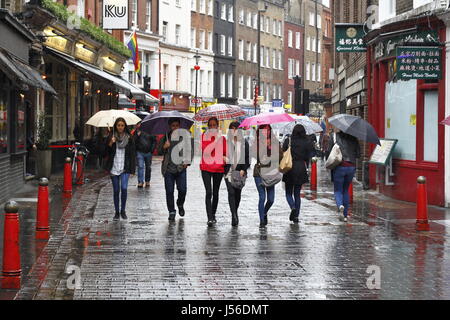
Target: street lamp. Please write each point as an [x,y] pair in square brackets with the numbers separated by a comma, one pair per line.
[196,67]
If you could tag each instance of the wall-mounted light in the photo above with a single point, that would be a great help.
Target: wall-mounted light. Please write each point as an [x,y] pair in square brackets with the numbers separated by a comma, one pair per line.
[99,91]
[44,76]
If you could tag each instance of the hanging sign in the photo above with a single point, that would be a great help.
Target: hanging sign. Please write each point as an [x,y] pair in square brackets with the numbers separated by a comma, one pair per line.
[115,14]
[418,63]
[349,38]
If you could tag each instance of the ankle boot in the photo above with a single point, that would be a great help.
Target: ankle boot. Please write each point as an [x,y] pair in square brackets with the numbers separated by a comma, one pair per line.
[234,219]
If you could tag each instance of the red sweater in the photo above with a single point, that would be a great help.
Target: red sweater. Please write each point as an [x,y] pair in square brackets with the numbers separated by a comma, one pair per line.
[211,161]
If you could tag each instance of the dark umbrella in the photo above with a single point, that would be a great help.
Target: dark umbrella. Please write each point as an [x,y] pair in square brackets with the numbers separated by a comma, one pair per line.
[141,114]
[355,126]
[158,122]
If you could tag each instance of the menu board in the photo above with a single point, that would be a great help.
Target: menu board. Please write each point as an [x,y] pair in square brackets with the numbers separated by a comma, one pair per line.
[382,153]
[419,63]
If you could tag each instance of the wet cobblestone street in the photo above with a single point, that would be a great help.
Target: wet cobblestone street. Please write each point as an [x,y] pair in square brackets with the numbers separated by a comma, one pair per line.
[149,257]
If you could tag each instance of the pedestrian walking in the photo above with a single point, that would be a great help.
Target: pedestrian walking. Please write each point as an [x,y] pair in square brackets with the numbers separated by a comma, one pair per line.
[121,162]
[301,150]
[266,191]
[212,166]
[172,171]
[238,162]
[145,144]
[343,174]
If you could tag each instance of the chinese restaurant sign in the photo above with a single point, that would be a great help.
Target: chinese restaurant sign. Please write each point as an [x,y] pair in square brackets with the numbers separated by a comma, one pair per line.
[419,63]
[349,38]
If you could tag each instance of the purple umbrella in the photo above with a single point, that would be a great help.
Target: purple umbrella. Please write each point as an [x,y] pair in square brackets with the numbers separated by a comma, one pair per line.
[446,121]
[158,122]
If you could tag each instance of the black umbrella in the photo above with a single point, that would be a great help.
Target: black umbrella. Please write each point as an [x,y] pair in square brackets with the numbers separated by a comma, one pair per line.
[141,114]
[158,122]
[355,126]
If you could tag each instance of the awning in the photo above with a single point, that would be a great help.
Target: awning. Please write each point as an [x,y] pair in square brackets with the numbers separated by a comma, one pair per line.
[91,69]
[137,93]
[22,74]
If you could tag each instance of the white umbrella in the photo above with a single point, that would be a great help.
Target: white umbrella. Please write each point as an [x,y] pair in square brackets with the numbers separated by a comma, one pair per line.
[310,126]
[106,118]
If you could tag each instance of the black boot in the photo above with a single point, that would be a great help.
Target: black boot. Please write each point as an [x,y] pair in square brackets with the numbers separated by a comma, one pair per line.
[292,215]
[123,215]
[116,216]
[234,219]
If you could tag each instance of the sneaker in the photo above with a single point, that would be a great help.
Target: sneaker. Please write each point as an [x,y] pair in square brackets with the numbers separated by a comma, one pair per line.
[147,184]
[210,223]
[116,216]
[341,209]
[181,211]
[345,219]
[140,185]
[123,215]
[172,216]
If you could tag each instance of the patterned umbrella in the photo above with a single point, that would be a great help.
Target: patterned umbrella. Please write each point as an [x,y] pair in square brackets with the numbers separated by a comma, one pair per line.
[220,111]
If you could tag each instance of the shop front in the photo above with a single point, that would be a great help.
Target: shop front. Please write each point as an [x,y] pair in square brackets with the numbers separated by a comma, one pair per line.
[406,97]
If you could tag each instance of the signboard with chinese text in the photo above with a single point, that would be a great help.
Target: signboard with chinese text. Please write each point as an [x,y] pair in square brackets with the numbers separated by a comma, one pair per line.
[349,38]
[419,63]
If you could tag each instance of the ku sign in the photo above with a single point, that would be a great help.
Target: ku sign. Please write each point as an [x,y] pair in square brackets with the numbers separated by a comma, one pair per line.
[115,14]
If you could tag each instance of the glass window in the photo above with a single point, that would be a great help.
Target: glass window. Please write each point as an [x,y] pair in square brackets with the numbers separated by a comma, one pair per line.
[148,18]
[289,38]
[230,85]
[249,19]
[230,14]
[3,119]
[223,13]
[210,7]
[430,129]
[202,6]
[230,46]
[400,117]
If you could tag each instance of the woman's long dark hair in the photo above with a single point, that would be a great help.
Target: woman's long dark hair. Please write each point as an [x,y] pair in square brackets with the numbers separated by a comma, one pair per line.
[213,119]
[127,130]
[299,131]
[269,145]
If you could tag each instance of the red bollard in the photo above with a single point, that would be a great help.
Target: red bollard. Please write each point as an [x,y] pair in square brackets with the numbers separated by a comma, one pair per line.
[350,191]
[11,249]
[422,209]
[80,169]
[313,184]
[67,176]
[42,215]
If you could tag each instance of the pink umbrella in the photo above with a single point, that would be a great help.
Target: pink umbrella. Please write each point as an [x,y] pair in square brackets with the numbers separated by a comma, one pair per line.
[266,118]
[446,121]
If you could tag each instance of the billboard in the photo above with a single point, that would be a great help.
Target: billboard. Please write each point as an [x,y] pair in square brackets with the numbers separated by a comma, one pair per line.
[115,14]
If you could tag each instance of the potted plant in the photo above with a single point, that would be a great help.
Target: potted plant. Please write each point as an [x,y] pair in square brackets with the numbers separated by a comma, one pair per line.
[44,154]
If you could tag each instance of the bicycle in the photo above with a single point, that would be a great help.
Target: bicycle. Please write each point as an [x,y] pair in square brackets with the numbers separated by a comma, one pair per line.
[73,153]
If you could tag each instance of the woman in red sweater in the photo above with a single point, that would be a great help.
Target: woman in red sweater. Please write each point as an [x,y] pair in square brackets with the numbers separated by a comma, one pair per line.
[212,166]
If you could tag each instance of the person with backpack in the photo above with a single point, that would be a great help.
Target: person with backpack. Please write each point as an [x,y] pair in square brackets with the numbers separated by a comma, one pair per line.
[342,175]
[121,163]
[238,162]
[212,166]
[266,181]
[301,150]
[172,171]
[145,144]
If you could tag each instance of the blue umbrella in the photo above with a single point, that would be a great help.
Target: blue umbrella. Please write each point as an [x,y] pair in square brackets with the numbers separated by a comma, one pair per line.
[158,122]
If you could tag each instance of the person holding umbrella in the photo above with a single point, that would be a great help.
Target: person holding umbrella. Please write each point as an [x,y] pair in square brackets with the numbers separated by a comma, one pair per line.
[212,166]
[172,171]
[238,162]
[145,144]
[120,164]
[301,150]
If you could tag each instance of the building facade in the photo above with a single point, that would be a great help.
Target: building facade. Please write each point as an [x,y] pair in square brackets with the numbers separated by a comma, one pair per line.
[224,51]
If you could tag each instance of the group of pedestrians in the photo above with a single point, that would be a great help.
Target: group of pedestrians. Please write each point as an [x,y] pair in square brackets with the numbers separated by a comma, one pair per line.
[226,159]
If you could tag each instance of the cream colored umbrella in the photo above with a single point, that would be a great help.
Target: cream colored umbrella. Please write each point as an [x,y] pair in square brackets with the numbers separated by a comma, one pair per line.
[106,118]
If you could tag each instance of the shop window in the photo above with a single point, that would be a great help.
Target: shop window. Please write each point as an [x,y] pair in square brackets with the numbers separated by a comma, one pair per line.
[431,138]
[3,119]
[400,117]
[20,126]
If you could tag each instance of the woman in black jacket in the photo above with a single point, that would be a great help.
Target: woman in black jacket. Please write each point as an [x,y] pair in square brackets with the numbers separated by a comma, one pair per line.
[121,152]
[238,162]
[301,151]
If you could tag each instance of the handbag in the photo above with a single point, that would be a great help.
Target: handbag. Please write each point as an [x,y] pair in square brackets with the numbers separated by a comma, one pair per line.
[271,177]
[335,157]
[286,162]
[236,180]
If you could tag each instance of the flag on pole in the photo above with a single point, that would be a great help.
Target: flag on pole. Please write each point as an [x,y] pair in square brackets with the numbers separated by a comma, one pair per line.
[133,46]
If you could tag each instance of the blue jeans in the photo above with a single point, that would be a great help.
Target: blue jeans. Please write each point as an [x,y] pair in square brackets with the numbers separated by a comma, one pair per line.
[342,177]
[120,186]
[293,197]
[263,206]
[144,162]
[169,182]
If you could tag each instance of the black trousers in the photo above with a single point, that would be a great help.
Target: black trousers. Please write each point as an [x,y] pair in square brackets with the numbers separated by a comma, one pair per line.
[234,197]
[212,181]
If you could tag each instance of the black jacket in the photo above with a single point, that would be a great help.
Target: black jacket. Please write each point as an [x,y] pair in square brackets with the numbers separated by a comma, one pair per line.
[301,150]
[130,156]
[144,142]
[244,163]
[349,146]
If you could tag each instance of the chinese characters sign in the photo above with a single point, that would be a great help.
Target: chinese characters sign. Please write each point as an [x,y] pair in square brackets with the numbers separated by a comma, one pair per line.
[349,38]
[419,63]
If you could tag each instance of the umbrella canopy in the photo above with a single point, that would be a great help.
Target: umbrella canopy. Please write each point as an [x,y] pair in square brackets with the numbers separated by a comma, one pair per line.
[106,118]
[266,118]
[158,122]
[141,114]
[310,126]
[446,121]
[355,126]
[220,111]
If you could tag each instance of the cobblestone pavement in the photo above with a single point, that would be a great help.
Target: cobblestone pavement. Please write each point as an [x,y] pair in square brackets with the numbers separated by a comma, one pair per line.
[148,257]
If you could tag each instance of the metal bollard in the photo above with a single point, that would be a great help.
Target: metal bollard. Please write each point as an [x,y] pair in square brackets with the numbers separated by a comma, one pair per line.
[422,209]
[11,249]
[42,215]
